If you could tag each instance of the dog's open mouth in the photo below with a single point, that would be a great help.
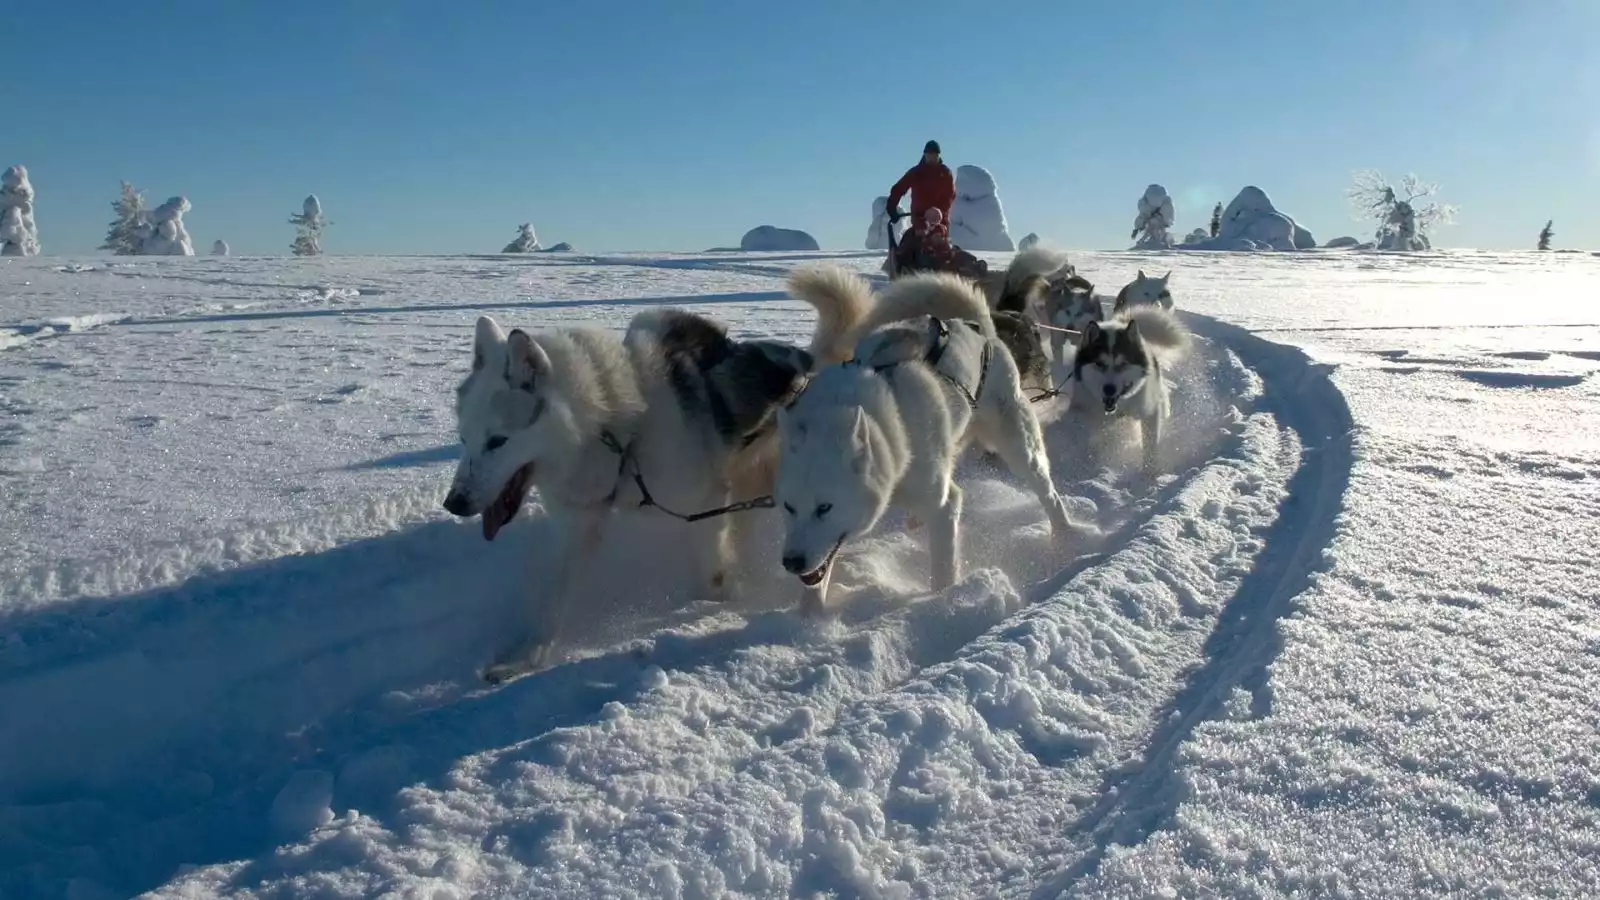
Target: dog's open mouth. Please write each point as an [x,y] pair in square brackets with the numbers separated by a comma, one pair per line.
[815,576]
[1111,404]
[505,506]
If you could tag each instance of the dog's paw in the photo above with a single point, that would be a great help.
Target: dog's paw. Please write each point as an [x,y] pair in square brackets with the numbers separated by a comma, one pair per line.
[530,659]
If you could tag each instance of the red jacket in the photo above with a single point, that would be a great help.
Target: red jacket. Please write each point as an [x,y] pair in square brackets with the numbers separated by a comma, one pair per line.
[931,186]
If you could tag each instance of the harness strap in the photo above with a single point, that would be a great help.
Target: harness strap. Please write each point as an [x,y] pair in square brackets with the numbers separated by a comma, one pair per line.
[625,456]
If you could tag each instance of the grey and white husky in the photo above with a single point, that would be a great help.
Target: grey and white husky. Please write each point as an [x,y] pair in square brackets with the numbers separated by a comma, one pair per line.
[673,415]
[1120,369]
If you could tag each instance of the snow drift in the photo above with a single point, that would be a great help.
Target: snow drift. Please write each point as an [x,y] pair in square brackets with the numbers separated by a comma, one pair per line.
[1028,241]
[19,236]
[220,248]
[560,247]
[1251,222]
[878,231]
[1153,223]
[977,220]
[767,238]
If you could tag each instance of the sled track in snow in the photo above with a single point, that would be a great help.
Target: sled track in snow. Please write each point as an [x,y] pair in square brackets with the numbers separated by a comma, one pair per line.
[1139,800]
[357,660]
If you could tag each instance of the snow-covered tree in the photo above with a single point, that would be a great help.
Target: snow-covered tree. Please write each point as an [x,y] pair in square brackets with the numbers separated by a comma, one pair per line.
[166,235]
[1151,227]
[1216,220]
[19,236]
[977,218]
[1547,234]
[308,228]
[127,232]
[1403,213]
[526,241]
[220,248]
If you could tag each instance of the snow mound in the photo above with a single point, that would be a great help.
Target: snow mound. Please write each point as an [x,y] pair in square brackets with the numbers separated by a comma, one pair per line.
[220,248]
[977,221]
[764,238]
[1197,235]
[525,242]
[1152,226]
[1342,243]
[1251,222]
[19,236]
[878,232]
[562,247]
[167,235]
[1029,240]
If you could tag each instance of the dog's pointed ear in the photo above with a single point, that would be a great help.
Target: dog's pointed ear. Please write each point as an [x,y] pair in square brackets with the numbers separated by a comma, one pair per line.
[1130,333]
[486,335]
[527,361]
[1090,335]
[1141,275]
[1166,278]
[860,442]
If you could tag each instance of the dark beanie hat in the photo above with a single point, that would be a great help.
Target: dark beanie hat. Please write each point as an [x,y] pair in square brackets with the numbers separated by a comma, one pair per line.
[930,147]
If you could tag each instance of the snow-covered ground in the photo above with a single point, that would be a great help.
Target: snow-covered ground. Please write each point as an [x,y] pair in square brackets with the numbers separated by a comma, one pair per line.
[1350,646]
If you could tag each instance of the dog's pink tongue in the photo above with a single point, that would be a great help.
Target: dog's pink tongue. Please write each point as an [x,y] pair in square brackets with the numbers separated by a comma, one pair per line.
[494,518]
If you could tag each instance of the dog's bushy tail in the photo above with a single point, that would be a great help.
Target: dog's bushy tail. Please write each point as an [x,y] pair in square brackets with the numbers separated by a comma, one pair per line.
[1159,328]
[841,298]
[940,294]
[1025,279]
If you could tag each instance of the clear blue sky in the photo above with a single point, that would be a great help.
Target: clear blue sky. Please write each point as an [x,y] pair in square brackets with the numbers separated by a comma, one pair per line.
[678,124]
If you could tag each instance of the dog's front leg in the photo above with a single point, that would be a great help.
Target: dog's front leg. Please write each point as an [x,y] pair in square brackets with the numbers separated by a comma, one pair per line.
[580,532]
[944,538]
[1150,435]
[714,548]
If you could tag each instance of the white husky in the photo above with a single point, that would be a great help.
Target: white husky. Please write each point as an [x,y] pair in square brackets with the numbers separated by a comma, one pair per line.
[928,375]
[1145,291]
[674,415]
[1120,368]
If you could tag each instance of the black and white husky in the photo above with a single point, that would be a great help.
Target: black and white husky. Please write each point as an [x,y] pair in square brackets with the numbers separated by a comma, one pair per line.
[1120,369]
[674,415]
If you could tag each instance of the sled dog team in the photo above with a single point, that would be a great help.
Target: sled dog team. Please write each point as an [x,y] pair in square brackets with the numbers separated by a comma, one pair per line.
[873,413]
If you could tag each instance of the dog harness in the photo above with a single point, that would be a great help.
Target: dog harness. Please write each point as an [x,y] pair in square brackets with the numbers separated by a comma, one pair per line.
[626,461]
[940,340]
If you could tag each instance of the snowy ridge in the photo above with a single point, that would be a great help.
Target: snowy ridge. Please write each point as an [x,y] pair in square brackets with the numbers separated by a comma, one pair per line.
[135,569]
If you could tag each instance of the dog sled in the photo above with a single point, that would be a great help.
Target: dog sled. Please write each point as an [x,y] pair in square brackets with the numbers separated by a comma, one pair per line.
[908,255]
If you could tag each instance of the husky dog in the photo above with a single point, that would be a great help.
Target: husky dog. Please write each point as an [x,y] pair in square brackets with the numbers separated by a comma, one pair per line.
[1120,367]
[674,414]
[1015,295]
[1144,290]
[928,375]
[1072,304]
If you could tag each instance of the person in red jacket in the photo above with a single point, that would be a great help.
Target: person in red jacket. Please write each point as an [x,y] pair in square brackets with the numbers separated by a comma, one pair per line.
[931,184]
